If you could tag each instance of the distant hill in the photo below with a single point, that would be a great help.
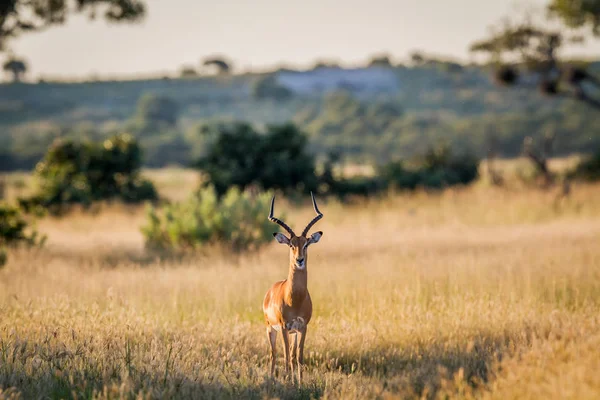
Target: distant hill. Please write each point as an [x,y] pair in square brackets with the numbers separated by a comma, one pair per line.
[375,113]
[371,80]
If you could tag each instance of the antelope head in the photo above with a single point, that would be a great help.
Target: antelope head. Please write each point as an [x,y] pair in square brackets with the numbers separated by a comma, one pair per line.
[298,244]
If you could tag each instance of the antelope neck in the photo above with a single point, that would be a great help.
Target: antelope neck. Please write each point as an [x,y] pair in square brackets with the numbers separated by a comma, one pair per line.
[297,282]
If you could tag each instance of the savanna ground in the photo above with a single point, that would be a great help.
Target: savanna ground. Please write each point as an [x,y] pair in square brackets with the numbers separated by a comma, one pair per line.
[478,292]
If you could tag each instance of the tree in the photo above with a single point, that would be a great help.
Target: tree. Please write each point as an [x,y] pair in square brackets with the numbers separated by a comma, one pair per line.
[534,54]
[326,64]
[241,156]
[188,71]
[157,110]
[223,66]
[533,51]
[577,14]
[21,16]
[267,87]
[74,172]
[15,231]
[16,68]
[417,57]
[382,60]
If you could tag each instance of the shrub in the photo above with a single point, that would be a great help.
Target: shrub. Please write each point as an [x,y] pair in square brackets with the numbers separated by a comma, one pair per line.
[588,169]
[237,220]
[395,174]
[155,109]
[241,156]
[267,87]
[436,169]
[82,173]
[357,186]
[15,231]
[344,187]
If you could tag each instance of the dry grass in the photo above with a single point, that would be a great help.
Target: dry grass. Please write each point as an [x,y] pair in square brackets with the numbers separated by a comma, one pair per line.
[481,292]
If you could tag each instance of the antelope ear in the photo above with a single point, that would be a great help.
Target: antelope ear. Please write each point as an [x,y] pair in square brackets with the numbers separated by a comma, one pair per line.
[281,238]
[314,238]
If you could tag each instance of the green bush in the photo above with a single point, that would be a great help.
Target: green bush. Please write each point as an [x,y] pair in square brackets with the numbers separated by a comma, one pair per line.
[156,109]
[82,173]
[588,169]
[16,231]
[267,87]
[241,156]
[436,169]
[237,220]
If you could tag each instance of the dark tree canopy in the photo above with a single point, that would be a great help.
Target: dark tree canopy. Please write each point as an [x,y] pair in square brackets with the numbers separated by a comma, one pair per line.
[267,87]
[242,156]
[155,109]
[417,57]
[578,13]
[21,16]
[221,64]
[526,53]
[326,64]
[382,60]
[76,172]
[533,59]
[188,71]
[16,67]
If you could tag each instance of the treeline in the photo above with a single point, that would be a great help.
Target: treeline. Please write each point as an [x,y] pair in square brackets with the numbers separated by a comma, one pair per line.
[436,103]
[374,131]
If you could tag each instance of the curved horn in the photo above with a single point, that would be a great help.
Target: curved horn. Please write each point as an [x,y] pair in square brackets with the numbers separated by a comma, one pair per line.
[315,219]
[278,221]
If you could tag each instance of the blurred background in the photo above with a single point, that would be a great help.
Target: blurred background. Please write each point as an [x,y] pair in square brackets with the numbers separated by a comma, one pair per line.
[366,83]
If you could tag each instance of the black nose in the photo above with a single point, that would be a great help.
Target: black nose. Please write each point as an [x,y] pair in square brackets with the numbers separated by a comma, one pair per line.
[300,260]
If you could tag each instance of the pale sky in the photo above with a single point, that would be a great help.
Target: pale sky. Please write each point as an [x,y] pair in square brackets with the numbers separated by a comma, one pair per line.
[263,33]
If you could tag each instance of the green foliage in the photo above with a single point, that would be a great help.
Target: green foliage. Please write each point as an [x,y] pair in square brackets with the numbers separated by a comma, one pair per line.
[188,71]
[81,173]
[578,13]
[17,17]
[588,169]
[267,87]
[15,231]
[535,47]
[436,169]
[431,105]
[16,68]
[241,156]
[223,66]
[3,257]
[356,186]
[159,110]
[381,60]
[237,220]
[343,122]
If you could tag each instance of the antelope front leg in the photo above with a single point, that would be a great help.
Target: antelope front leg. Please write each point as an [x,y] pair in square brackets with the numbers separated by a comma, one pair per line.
[293,352]
[300,350]
[286,347]
[272,336]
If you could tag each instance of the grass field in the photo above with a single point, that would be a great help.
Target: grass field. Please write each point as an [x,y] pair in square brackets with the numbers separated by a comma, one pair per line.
[479,292]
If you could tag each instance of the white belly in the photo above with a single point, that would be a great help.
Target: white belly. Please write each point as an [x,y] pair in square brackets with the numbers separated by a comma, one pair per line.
[293,326]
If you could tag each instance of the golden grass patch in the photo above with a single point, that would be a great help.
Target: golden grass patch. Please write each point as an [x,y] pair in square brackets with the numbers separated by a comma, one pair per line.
[473,293]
